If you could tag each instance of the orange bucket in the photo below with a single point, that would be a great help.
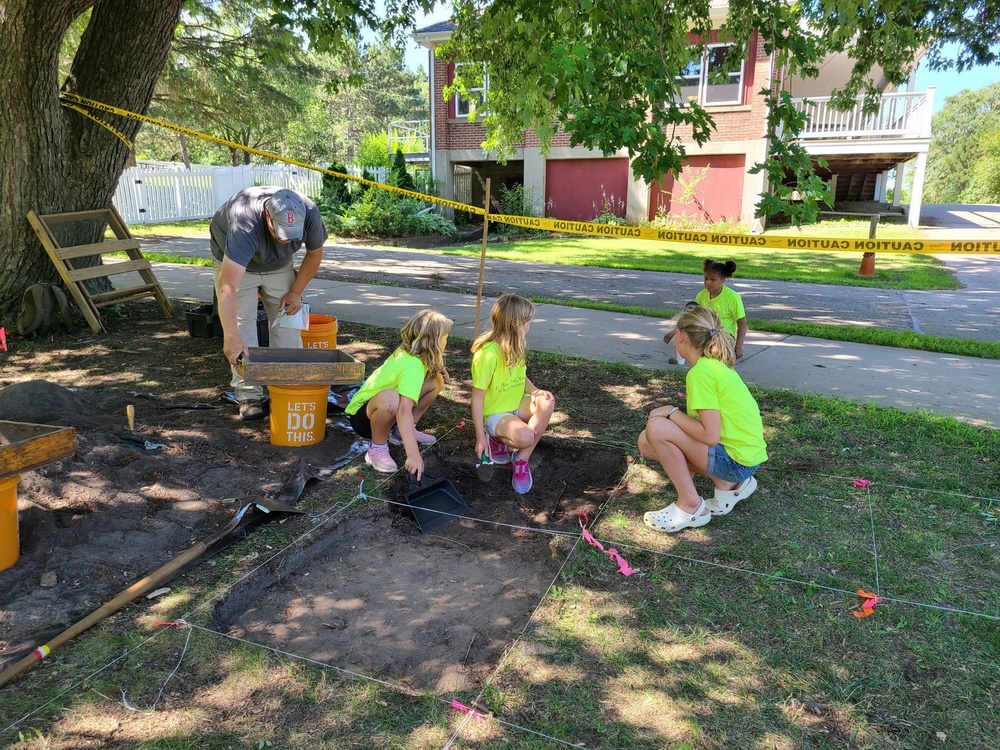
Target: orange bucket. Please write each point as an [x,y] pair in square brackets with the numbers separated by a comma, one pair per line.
[10,549]
[322,333]
[298,414]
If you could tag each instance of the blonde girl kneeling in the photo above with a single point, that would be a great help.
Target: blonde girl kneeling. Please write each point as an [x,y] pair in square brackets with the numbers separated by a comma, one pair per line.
[720,436]
[393,399]
[510,415]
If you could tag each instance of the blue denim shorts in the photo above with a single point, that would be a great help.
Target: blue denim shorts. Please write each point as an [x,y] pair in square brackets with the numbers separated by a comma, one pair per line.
[493,421]
[723,467]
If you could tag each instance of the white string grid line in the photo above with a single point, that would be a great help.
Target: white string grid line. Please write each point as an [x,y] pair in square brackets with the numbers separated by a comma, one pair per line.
[151,709]
[503,659]
[402,689]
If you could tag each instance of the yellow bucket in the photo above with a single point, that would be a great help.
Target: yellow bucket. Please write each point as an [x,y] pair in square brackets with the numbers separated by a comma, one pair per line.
[298,414]
[10,549]
[322,333]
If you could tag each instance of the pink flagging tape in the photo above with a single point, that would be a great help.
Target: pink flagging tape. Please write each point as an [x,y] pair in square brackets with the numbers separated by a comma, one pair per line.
[860,482]
[466,710]
[623,567]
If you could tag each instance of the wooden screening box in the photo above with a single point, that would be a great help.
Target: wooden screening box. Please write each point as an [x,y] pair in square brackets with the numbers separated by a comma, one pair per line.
[267,366]
[25,446]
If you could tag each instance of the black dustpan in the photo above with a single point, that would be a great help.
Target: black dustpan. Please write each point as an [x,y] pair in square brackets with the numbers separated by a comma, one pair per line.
[435,503]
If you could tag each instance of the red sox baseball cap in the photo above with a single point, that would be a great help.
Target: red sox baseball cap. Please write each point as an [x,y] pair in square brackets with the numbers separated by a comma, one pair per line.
[288,214]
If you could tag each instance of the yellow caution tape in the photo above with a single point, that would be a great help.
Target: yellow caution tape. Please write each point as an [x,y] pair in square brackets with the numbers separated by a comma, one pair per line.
[120,135]
[68,98]
[579,227]
[751,240]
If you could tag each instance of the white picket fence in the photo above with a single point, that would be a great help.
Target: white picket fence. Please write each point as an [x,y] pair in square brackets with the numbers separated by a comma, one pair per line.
[156,192]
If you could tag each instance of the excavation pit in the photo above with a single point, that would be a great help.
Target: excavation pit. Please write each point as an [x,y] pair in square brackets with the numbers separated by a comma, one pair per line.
[434,611]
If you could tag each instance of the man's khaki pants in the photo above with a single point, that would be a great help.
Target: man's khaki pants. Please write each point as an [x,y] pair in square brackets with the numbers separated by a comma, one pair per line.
[271,287]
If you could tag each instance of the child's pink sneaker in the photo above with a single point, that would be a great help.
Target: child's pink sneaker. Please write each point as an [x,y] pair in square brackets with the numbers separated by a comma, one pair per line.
[379,459]
[499,451]
[423,438]
[522,477]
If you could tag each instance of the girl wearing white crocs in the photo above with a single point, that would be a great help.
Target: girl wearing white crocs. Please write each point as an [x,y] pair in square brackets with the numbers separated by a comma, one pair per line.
[394,397]
[720,436]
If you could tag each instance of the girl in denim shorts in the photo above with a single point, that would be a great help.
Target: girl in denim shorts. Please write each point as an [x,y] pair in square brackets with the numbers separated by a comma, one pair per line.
[720,435]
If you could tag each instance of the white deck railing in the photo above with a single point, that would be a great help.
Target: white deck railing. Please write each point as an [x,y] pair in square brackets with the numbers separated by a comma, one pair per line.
[904,115]
[409,135]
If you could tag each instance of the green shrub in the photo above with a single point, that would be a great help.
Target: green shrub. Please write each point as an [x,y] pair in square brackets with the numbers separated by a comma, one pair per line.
[383,214]
[336,192]
[374,150]
[398,175]
[682,222]
[610,211]
[516,201]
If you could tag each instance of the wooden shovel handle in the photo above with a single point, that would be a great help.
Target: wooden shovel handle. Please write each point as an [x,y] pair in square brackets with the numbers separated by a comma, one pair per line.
[134,591]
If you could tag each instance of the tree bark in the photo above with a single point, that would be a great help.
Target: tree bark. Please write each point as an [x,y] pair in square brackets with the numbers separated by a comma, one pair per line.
[52,159]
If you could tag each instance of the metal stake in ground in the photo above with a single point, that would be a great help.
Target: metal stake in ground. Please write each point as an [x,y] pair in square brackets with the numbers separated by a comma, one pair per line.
[482,254]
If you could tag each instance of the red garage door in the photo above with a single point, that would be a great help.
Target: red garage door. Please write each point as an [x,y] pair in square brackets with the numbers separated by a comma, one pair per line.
[576,189]
[710,188]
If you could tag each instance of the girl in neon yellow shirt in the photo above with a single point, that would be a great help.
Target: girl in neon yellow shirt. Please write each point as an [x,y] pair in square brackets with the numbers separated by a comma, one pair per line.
[507,410]
[725,301]
[720,436]
[392,400]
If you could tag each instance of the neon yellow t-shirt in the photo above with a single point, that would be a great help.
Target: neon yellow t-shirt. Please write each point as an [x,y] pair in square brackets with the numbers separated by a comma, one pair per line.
[504,385]
[714,385]
[729,305]
[402,372]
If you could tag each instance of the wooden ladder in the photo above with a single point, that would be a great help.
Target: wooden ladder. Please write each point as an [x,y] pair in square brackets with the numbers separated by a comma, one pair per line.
[74,278]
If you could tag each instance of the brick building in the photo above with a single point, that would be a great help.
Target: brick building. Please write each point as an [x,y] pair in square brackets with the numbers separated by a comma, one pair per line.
[715,184]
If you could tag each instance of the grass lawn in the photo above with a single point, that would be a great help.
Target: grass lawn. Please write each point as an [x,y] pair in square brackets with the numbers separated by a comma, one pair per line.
[190,228]
[736,635]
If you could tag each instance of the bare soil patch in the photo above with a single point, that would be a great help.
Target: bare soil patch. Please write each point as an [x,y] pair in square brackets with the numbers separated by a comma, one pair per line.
[429,611]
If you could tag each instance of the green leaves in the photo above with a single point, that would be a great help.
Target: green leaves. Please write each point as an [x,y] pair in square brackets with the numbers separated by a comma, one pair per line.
[964,159]
[609,73]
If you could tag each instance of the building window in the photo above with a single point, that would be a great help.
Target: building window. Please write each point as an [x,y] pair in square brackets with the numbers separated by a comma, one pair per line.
[477,96]
[701,81]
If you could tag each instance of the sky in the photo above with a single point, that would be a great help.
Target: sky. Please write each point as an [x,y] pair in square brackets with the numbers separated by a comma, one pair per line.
[946,82]
[416,56]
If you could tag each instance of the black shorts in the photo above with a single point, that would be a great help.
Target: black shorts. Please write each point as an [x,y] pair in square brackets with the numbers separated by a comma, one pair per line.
[361,423]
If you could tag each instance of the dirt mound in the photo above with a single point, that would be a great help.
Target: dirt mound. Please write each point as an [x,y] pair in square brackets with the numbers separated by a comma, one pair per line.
[42,402]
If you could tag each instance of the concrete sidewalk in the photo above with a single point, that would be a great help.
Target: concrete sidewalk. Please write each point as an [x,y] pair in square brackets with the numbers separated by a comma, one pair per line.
[966,388]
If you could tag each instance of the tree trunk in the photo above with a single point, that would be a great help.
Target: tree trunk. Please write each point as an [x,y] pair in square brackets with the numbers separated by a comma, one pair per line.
[52,159]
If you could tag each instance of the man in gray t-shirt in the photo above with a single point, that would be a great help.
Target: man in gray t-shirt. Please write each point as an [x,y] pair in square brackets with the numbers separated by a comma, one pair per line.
[254,237]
